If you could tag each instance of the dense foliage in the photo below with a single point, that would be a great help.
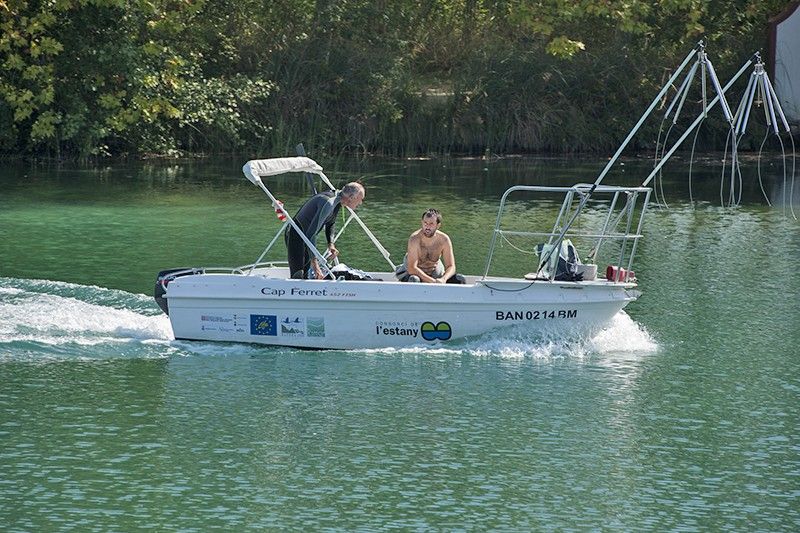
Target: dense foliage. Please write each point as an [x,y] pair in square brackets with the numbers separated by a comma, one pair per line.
[99,77]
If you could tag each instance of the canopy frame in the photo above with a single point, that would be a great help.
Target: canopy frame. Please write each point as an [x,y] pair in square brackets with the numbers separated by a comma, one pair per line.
[255,169]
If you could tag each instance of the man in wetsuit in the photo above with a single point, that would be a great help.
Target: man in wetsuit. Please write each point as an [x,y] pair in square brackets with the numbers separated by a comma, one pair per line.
[427,248]
[321,210]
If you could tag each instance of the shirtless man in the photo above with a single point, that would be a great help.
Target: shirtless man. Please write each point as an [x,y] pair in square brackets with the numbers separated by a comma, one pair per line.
[425,247]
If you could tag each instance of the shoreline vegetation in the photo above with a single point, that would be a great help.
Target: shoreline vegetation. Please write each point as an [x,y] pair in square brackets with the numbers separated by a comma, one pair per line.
[712,157]
[157,79]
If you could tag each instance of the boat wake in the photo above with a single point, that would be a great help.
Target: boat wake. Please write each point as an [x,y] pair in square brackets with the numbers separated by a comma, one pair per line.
[623,335]
[42,318]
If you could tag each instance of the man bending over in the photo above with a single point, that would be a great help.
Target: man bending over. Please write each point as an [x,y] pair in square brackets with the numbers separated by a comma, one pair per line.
[317,213]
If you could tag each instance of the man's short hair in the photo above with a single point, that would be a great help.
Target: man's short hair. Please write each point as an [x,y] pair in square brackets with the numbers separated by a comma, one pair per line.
[352,189]
[430,213]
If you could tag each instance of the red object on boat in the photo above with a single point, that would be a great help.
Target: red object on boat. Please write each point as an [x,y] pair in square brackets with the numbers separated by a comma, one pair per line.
[615,273]
[278,212]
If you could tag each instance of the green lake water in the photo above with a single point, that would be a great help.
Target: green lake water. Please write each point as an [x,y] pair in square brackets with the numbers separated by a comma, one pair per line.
[683,415]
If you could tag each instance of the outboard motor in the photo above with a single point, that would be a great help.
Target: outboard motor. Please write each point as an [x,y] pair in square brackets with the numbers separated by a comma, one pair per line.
[163,279]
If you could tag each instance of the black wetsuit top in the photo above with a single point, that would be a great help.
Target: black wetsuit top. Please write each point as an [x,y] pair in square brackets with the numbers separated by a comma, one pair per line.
[321,210]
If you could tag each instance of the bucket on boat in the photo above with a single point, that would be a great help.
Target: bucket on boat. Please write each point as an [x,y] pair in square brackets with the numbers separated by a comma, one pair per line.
[615,273]
[589,272]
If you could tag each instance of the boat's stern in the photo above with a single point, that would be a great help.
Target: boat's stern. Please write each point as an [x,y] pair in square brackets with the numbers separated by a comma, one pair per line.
[164,278]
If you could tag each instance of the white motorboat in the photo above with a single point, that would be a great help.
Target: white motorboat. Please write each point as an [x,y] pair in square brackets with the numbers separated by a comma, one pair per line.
[260,303]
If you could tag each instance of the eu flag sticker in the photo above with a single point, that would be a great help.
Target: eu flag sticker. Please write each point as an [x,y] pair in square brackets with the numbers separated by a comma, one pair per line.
[263,325]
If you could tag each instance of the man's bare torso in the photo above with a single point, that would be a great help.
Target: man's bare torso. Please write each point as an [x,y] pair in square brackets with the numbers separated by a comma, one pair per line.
[429,250]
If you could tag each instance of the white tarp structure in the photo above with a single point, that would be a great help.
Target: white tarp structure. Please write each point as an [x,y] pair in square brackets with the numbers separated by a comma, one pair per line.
[257,168]
[784,60]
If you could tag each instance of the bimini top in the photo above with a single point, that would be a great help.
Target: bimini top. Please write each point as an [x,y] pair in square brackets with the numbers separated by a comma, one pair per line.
[257,168]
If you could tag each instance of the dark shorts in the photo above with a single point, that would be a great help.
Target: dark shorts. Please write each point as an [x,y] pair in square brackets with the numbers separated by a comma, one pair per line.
[298,254]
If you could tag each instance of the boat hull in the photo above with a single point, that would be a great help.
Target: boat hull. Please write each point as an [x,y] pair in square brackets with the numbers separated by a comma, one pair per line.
[378,314]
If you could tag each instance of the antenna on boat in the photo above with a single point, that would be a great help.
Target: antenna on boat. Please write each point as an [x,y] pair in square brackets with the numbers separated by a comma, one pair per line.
[759,92]
[707,73]
[665,157]
[646,114]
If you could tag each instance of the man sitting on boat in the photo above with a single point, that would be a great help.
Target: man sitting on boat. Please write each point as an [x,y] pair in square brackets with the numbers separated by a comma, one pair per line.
[318,212]
[427,248]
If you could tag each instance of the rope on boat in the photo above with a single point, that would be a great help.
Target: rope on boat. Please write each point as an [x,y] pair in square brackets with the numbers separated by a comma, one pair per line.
[791,189]
[517,248]
[758,167]
[691,162]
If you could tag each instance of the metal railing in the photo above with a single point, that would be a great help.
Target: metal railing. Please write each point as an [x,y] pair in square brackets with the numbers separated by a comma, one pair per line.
[622,222]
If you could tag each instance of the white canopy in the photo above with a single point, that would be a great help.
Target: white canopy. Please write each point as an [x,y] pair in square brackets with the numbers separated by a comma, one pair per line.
[257,168]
